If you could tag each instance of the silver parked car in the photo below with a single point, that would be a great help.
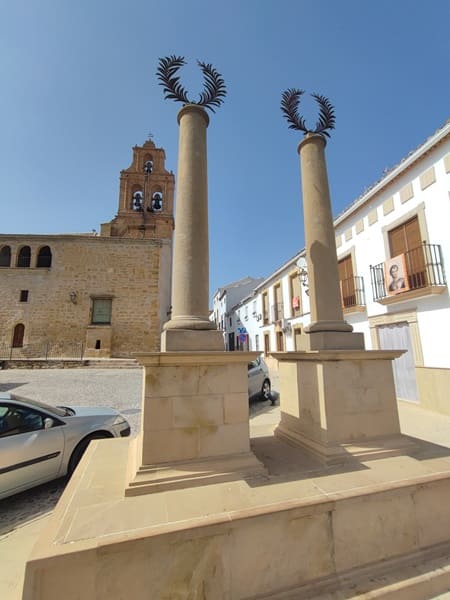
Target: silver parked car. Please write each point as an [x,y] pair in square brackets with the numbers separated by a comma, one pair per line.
[40,442]
[259,380]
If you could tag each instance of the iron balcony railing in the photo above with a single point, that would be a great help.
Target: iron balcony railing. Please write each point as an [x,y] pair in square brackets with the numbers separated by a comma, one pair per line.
[424,268]
[352,292]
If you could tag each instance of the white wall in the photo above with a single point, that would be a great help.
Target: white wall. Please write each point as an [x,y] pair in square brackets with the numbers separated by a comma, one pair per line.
[433,312]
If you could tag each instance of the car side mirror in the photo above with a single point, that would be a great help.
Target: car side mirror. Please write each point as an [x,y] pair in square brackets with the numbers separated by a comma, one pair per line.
[48,423]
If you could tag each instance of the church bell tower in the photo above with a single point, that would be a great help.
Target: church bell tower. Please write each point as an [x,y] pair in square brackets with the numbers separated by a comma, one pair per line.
[146,197]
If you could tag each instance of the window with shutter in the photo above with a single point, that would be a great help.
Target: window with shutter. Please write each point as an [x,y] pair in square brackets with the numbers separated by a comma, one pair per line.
[101,311]
[265,302]
[278,306]
[406,239]
[296,305]
[347,282]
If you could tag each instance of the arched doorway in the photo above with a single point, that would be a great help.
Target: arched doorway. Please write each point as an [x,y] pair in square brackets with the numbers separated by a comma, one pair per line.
[19,331]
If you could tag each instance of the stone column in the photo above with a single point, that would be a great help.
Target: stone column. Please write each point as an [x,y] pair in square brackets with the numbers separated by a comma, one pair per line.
[327,320]
[190,281]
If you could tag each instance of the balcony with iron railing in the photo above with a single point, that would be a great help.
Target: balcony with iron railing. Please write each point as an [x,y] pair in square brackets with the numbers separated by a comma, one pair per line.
[425,275]
[353,294]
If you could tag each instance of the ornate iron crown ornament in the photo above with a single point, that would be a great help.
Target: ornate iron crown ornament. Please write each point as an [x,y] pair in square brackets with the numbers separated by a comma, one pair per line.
[290,101]
[214,86]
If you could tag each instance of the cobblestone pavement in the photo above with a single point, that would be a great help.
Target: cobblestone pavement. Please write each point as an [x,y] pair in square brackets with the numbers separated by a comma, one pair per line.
[119,388]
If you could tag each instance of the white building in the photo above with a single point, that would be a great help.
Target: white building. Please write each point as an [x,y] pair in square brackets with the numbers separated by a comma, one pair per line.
[403,219]
[223,314]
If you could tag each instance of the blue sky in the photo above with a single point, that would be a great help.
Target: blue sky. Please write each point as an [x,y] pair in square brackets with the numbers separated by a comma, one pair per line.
[79,90]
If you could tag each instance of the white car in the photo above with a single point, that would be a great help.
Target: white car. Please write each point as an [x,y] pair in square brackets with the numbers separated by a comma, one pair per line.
[259,381]
[39,442]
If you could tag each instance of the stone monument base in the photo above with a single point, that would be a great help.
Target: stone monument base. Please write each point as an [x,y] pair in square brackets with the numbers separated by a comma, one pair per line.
[378,527]
[149,479]
[195,427]
[340,404]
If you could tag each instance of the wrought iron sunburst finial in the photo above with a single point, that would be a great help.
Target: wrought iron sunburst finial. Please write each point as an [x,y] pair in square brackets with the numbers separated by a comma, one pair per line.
[214,86]
[290,101]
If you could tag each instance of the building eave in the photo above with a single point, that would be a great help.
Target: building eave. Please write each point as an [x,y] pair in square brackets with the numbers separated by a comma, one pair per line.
[406,163]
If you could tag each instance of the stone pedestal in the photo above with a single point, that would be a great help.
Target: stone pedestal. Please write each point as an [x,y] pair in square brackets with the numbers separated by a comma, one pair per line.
[340,404]
[195,426]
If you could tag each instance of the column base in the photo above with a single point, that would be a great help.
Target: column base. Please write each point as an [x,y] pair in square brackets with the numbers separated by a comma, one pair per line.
[190,322]
[182,340]
[330,326]
[331,340]
[329,454]
[151,479]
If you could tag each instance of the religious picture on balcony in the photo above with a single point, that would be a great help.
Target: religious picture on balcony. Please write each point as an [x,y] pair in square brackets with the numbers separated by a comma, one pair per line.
[395,275]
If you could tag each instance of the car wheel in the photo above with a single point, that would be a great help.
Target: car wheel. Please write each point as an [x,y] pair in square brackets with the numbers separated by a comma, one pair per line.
[80,449]
[265,390]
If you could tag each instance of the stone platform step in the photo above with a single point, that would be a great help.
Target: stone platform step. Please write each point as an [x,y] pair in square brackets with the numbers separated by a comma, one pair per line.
[373,529]
[422,575]
[67,363]
[111,363]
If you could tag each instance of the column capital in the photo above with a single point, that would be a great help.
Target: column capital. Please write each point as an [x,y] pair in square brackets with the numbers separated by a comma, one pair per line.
[311,137]
[193,108]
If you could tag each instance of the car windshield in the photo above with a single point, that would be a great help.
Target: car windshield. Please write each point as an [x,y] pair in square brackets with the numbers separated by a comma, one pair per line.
[59,412]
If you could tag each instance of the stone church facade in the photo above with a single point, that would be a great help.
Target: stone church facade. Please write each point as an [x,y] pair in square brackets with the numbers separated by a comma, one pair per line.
[94,295]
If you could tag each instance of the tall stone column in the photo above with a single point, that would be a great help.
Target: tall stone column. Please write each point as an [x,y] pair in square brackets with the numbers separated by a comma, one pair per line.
[195,425]
[328,328]
[190,328]
[337,400]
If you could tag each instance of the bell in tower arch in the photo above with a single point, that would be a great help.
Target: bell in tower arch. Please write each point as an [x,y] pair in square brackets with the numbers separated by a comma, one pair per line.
[148,167]
[156,204]
[137,202]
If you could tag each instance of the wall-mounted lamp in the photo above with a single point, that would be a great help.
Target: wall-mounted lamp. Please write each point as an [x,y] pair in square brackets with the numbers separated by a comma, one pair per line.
[303,273]
[73,297]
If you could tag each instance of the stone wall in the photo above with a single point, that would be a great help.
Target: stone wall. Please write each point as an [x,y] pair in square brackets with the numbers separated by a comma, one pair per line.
[127,270]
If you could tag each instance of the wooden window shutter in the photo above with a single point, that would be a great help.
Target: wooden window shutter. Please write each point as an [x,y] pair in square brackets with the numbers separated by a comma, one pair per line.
[406,239]
[347,281]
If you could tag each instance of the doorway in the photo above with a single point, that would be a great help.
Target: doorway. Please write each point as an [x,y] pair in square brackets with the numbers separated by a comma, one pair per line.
[231,342]
[396,336]
[19,331]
